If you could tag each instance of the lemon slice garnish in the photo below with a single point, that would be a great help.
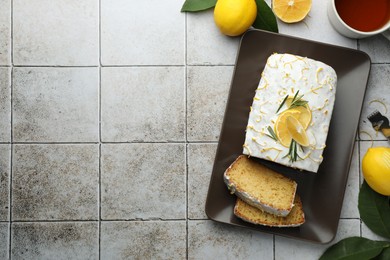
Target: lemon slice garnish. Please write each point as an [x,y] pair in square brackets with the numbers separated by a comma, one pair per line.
[280,127]
[296,131]
[305,113]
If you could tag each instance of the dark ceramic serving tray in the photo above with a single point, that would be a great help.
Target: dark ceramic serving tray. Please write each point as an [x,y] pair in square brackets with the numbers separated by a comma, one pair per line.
[322,193]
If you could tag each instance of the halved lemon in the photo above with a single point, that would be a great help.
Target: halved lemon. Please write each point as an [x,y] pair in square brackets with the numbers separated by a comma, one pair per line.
[280,127]
[296,131]
[291,11]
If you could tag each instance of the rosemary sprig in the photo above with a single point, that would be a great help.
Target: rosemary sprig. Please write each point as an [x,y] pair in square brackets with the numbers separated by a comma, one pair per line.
[298,101]
[271,133]
[284,101]
[293,151]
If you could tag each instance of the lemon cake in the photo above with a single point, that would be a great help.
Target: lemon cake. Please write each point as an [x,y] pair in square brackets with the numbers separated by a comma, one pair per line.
[254,215]
[291,111]
[260,187]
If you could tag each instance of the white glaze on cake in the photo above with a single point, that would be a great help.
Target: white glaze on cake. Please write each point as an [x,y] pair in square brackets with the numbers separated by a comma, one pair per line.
[285,74]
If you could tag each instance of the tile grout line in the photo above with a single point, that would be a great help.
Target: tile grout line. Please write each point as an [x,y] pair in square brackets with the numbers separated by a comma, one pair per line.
[99,201]
[100,131]
[359,140]
[89,66]
[56,66]
[11,169]
[187,219]
[274,247]
[123,66]
[360,181]
[136,65]
[123,142]
[53,143]
[186,125]
[358,44]
[96,220]
[11,130]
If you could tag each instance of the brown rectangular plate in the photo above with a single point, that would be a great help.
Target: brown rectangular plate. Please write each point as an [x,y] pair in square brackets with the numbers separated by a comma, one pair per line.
[322,193]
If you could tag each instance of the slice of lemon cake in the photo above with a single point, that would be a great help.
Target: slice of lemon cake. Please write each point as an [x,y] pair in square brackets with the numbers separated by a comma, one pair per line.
[291,111]
[254,215]
[260,187]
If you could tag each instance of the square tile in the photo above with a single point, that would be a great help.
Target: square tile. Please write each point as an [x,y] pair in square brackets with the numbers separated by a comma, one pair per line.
[64,240]
[350,204]
[210,240]
[376,98]
[4,241]
[142,32]
[5,104]
[5,170]
[143,181]
[143,104]
[206,45]
[294,249]
[377,47]
[5,32]
[60,32]
[55,182]
[200,166]
[143,240]
[56,104]
[315,26]
[207,92]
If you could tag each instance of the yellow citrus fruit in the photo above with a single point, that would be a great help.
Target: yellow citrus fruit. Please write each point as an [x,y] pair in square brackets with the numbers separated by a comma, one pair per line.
[291,11]
[376,169]
[296,130]
[304,116]
[305,113]
[280,127]
[234,17]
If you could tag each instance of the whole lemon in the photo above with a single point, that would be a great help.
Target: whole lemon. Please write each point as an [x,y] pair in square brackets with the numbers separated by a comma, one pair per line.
[376,169]
[234,17]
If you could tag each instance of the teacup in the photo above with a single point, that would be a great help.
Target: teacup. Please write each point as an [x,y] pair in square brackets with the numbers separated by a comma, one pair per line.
[360,18]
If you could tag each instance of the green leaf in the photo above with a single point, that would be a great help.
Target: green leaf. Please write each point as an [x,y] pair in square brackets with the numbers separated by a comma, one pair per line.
[197,5]
[385,255]
[265,19]
[354,248]
[374,210]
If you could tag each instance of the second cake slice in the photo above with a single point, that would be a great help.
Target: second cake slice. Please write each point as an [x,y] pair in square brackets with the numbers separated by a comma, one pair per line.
[255,216]
[261,187]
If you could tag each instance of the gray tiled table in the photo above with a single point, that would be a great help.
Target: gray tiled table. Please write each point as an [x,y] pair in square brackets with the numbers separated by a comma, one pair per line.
[110,113]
